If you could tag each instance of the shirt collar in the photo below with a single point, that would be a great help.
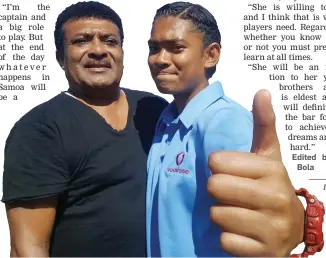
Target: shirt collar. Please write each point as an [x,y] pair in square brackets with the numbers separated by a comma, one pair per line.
[195,106]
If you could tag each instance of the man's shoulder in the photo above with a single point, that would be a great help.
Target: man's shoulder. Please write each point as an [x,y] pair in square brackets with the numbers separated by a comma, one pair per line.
[226,112]
[229,106]
[146,100]
[138,94]
[45,112]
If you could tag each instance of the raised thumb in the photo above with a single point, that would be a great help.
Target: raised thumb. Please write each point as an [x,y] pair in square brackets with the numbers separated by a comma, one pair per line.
[265,141]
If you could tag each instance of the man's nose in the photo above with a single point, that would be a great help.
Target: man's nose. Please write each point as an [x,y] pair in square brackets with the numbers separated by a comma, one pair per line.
[163,58]
[97,48]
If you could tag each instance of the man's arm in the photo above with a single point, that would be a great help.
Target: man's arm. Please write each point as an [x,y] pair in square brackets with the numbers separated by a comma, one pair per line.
[35,174]
[30,225]
[231,129]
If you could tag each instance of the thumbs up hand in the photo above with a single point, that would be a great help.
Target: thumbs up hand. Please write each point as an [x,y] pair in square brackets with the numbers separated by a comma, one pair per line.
[258,210]
[265,141]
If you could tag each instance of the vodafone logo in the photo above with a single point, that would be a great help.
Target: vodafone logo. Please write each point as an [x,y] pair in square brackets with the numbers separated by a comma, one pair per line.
[178,171]
[179,159]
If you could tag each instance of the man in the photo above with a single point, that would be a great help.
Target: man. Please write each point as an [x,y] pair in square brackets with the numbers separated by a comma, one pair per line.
[75,167]
[184,50]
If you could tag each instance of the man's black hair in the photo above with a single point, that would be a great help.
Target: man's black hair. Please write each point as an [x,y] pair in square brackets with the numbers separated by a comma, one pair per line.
[200,17]
[86,10]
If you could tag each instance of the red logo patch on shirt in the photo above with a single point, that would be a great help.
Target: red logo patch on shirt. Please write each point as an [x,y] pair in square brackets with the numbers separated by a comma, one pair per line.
[179,159]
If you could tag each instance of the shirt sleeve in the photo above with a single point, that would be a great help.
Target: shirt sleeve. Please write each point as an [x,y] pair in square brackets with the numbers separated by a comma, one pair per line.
[230,129]
[34,165]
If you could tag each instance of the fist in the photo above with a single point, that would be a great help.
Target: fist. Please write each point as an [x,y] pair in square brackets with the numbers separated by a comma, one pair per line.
[258,210]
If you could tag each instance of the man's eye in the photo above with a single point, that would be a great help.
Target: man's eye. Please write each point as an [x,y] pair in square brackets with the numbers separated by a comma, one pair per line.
[79,41]
[111,42]
[153,49]
[179,47]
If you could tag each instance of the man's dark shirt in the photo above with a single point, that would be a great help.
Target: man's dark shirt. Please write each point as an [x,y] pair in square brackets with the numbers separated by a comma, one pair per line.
[65,148]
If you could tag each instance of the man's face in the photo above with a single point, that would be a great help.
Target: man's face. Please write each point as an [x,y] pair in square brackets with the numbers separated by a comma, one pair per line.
[176,56]
[92,54]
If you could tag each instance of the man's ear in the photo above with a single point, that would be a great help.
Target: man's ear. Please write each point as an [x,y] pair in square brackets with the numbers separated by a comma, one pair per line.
[212,55]
[59,56]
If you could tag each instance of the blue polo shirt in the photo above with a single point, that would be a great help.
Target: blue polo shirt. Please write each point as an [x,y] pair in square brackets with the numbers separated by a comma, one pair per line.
[178,220]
